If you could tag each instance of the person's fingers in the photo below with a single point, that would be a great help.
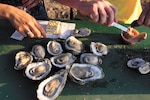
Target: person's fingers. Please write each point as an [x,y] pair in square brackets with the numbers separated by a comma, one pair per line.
[102,15]
[40,28]
[147,20]
[110,16]
[30,3]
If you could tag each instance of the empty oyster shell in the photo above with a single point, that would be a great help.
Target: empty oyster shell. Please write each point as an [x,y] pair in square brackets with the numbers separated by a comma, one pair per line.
[22,59]
[38,51]
[98,48]
[51,88]
[136,63]
[133,36]
[54,48]
[63,59]
[84,73]
[90,58]
[38,70]
[81,32]
[144,69]
[74,45]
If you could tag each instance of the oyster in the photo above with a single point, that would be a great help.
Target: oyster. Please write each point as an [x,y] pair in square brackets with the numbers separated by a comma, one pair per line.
[54,48]
[133,36]
[98,48]
[51,88]
[38,70]
[136,63]
[63,59]
[90,58]
[74,45]
[38,52]
[81,32]
[84,73]
[22,59]
[144,69]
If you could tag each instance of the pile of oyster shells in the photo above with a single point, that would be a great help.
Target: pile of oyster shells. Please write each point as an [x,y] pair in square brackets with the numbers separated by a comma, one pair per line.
[81,67]
[140,64]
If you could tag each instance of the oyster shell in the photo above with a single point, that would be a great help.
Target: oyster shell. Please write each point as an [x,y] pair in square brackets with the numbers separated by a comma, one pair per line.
[22,59]
[54,48]
[90,58]
[84,73]
[38,51]
[63,59]
[51,88]
[144,69]
[81,32]
[133,36]
[74,45]
[136,63]
[38,70]
[98,48]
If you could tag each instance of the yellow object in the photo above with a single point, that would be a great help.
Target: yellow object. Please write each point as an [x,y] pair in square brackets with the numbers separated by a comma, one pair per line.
[128,10]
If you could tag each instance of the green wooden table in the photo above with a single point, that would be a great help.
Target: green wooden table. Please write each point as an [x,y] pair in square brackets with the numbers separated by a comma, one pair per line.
[119,83]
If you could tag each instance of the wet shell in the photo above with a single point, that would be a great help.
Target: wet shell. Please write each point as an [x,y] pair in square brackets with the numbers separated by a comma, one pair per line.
[54,48]
[22,59]
[133,36]
[63,59]
[89,58]
[81,32]
[144,69]
[98,48]
[38,51]
[136,63]
[51,88]
[38,70]
[84,73]
[74,45]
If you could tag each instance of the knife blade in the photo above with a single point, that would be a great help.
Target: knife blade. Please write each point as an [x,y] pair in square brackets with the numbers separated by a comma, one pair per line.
[119,26]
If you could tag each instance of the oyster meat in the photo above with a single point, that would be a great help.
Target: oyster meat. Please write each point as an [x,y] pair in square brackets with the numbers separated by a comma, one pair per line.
[22,59]
[74,45]
[51,88]
[98,48]
[90,58]
[136,63]
[54,48]
[144,69]
[63,59]
[81,32]
[38,70]
[38,51]
[84,73]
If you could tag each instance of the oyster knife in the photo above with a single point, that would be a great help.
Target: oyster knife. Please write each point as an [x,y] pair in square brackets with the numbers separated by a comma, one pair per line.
[119,26]
[134,24]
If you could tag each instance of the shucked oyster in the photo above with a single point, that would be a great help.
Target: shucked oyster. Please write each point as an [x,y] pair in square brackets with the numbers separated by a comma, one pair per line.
[144,69]
[98,48]
[38,52]
[22,59]
[63,59]
[84,73]
[74,45]
[38,70]
[51,88]
[54,48]
[81,32]
[90,58]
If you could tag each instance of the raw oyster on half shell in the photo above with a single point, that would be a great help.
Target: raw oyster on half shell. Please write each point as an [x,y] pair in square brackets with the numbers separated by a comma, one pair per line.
[81,32]
[63,59]
[74,45]
[84,73]
[22,59]
[38,70]
[38,51]
[54,48]
[98,48]
[144,69]
[51,88]
[136,63]
[90,58]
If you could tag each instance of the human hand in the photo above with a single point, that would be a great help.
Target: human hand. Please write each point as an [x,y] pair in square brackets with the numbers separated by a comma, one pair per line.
[25,23]
[101,11]
[144,18]
[30,3]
